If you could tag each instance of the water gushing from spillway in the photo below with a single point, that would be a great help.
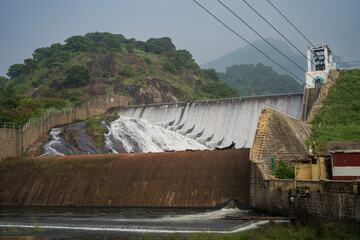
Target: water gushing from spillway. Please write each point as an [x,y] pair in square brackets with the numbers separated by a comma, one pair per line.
[138,135]
[216,123]
[180,126]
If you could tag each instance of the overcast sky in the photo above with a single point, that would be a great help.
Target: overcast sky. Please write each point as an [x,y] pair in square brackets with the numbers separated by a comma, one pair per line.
[29,24]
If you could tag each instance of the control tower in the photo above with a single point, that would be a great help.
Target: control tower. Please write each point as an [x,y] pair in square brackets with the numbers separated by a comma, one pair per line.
[320,62]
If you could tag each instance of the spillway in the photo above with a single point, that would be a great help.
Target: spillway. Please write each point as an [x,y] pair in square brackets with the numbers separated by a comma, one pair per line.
[215,123]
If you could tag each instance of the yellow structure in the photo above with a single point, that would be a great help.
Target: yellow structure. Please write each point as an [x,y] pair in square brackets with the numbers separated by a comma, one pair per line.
[311,168]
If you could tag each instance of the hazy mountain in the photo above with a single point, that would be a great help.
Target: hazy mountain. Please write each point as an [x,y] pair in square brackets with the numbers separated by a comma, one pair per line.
[249,55]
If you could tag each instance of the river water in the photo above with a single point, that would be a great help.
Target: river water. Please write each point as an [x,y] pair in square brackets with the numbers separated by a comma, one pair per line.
[118,223]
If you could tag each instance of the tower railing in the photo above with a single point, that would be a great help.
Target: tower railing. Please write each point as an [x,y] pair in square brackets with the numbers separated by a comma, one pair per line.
[347,65]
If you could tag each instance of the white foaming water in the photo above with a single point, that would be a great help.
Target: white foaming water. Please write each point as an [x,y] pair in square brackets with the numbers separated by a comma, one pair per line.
[216,122]
[139,229]
[55,140]
[179,126]
[138,135]
[196,217]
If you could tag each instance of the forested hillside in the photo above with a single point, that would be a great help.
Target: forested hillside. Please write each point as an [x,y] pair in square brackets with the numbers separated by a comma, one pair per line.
[249,55]
[250,79]
[64,75]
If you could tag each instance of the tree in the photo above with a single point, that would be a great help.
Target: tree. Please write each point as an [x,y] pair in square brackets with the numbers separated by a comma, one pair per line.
[77,76]
[30,65]
[41,53]
[181,59]
[160,45]
[211,74]
[3,81]
[79,44]
[15,70]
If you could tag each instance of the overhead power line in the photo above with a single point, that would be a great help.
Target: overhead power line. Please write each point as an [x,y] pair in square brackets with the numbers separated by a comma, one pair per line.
[248,42]
[282,35]
[294,27]
[290,23]
[238,17]
[286,40]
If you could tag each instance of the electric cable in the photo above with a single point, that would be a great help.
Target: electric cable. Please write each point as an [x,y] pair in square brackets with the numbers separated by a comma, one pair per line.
[238,17]
[282,35]
[288,42]
[295,27]
[248,42]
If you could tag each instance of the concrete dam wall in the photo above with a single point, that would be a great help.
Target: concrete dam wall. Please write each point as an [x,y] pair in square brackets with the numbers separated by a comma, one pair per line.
[215,123]
[175,179]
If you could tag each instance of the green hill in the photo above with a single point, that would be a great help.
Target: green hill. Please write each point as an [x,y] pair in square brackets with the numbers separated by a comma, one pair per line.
[64,75]
[249,55]
[339,117]
[250,79]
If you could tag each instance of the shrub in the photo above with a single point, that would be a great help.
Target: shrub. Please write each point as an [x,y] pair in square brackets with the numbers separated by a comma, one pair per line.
[34,84]
[170,67]
[127,71]
[283,171]
[148,60]
[106,74]
[95,126]
[77,76]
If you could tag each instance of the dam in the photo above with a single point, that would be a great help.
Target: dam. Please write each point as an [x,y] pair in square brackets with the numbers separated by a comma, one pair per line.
[179,126]
[214,123]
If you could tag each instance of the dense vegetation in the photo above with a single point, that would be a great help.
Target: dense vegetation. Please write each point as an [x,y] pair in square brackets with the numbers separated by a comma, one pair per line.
[97,129]
[250,79]
[64,75]
[339,118]
[283,171]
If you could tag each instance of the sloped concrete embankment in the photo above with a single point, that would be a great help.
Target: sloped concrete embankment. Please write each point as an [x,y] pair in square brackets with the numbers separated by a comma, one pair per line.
[283,137]
[181,179]
[13,141]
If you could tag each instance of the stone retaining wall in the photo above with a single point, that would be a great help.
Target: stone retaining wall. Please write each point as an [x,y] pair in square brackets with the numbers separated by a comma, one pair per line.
[13,141]
[283,137]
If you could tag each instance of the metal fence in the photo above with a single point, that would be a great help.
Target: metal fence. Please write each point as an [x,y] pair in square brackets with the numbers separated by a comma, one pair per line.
[9,125]
[347,65]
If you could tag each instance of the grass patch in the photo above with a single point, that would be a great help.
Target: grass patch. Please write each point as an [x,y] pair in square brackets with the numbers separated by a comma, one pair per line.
[97,129]
[339,118]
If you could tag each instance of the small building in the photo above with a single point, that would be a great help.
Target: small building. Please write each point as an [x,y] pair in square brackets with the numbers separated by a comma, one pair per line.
[311,167]
[345,164]
[320,62]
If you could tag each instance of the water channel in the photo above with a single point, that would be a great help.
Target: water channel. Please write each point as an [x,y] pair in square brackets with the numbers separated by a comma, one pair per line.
[118,223]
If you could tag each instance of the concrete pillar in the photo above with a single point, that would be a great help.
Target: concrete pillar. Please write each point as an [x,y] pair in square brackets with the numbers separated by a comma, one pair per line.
[326,57]
[330,58]
[309,60]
